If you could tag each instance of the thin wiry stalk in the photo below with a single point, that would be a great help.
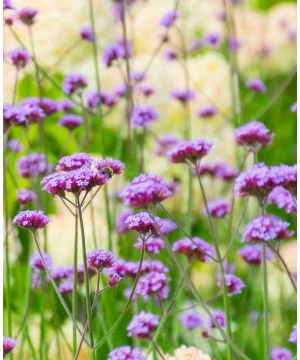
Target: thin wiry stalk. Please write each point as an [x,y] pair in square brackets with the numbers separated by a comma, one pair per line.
[266,304]
[15,86]
[75,279]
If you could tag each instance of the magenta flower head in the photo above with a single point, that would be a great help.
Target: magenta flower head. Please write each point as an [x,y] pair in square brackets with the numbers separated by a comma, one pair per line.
[207,111]
[143,115]
[100,259]
[27,15]
[233,284]
[86,33]
[153,245]
[37,264]
[33,165]
[256,85]
[192,150]
[146,90]
[266,228]
[212,39]
[70,121]
[49,106]
[114,279]
[191,320]
[281,354]
[166,226]
[253,135]
[218,208]
[225,171]
[234,43]
[116,165]
[142,325]
[25,196]
[252,254]
[7,5]
[293,335]
[283,199]
[74,162]
[183,95]
[94,98]
[115,52]
[33,114]
[169,18]
[154,283]
[74,83]
[65,287]
[126,353]
[194,248]
[171,54]
[19,57]
[15,146]
[8,344]
[145,189]
[287,175]
[142,223]
[13,115]
[31,219]
[219,318]
[165,142]
[65,105]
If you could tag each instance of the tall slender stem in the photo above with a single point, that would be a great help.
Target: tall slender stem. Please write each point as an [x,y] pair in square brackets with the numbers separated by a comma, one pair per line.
[15,86]
[86,280]
[266,304]
[74,293]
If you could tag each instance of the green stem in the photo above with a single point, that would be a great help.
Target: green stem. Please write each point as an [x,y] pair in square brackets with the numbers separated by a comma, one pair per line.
[86,280]
[42,324]
[74,293]
[266,304]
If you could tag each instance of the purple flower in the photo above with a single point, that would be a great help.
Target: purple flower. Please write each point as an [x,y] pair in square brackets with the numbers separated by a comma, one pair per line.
[256,85]
[37,264]
[212,39]
[294,107]
[252,254]
[70,121]
[74,83]
[191,320]
[115,52]
[194,248]
[183,95]
[8,344]
[137,76]
[192,150]
[62,272]
[154,283]
[31,219]
[281,354]
[225,171]
[86,33]
[287,177]
[27,15]
[153,245]
[25,196]
[293,335]
[169,18]
[266,228]
[207,111]
[142,325]
[14,145]
[283,199]
[121,226]
[233,284]
[94,99]
[100,259]
[7,5]
[49,106]
[219,317]
[143,115]
[218,208]
[74,162]
[13,115]
[146,90]
[80,273]
[165,225]
[19,57]
[164,142]
[65,105]
[116,165]
[33,114]
[65,287]
[234,43]
[126,353]
[253,135]
[145,189]
[33,165]
[142,223]
[114,279]
[121,90]
[171,54]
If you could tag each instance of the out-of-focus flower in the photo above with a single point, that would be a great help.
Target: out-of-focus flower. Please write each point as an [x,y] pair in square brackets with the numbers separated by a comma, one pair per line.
[115,52]
[233,284]
[194,248]
[126,353]
[143,115]
[70,121]
[218,208]
[142,325]
[33,165]
[37,263]
[191,320]
[121,226]
[25,196]
[15,145]
[27,15]
[86,33]
[8,344]
[13,115]
[65,287]
[188,353]
[183,95]
[171,54]
[234,43]
[65,105]
[256,85]
[293,335]
[287,177]
[281,354]
[283,199]
[164,143]
[192,150]
[212,39]
[146,90]
[95,97]
[74,83]
[31,219]
[253,135]
[114,279]
[219,317]
[153,245]
[7,5]
[294,107]
[154,283]
[266,228]
[100,259]
[207,111]
[19,57]
[169,18]
[252,254]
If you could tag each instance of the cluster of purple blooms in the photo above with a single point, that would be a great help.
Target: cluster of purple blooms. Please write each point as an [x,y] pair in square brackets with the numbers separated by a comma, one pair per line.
[191,320]
[8,345]
[126,353]
[33,165]
[218,208]
[142,116]
[25,196]
[74,83]
[31,219]
[19,57]
[252,254]
[220,170]
[142,325]
[194,248]
[70,121]
[233,284]
[192,150]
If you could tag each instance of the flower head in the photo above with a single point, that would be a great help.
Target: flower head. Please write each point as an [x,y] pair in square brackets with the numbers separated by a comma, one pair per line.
[74,162]
[116,165]
[37,263]
[8,344]
[142,325]
[191,320]
[65,105]
[266,228]
[25,196]
[186,353]
[165,142]
[126,353]
[233,284]
[65,287]
[74,83]
[192,150]
[212,39]
[194,248]
[153,245]
[94,98]
[253,135]
[207,111]
[14,145]
[219,318]
[252,254]
[100,259]
[33,165]
[293,335]
[146,90]
[7,5]
[142,223]
[256,85]
[70,121]
[281,354]
[143,115]
[121,226]
[294,107]
[13,115]
[183,95]
[169,18]
[218,208]
[287,177]
[114,52]
[114,279]
[154,283]
[31,219]
[19,57]
[27,15]
[283,199]
[86,33]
